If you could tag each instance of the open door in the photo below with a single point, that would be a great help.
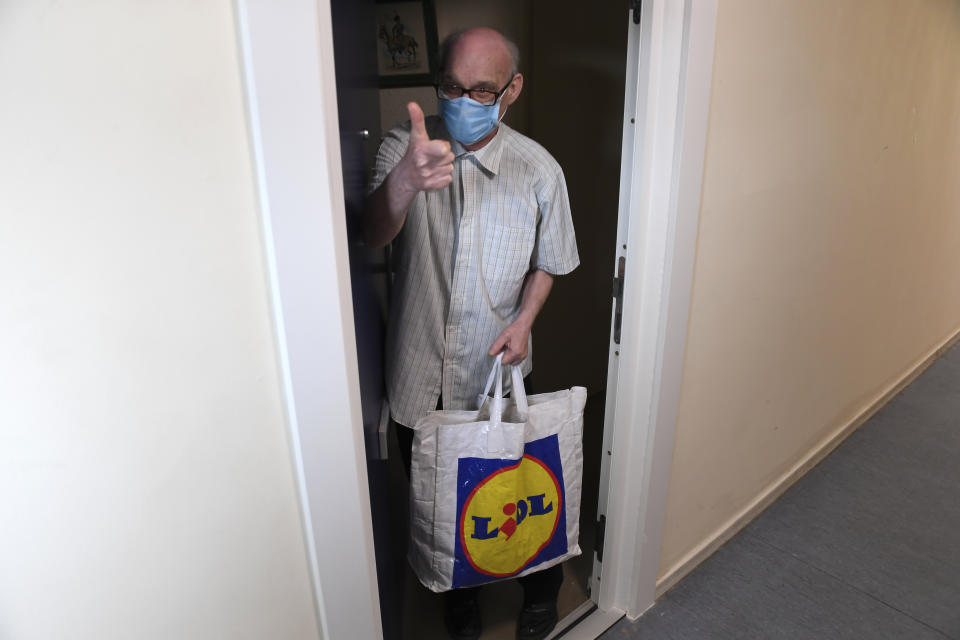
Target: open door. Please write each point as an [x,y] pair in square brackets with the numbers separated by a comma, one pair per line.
[633,20]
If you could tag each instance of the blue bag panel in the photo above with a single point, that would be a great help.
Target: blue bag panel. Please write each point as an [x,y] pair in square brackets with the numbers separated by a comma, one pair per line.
[511,514]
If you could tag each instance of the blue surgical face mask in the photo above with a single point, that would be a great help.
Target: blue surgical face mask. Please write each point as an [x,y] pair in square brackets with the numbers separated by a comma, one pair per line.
[467,120]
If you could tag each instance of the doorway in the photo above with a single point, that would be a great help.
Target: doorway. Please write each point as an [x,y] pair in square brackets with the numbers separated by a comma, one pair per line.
[572,104]
[290,87]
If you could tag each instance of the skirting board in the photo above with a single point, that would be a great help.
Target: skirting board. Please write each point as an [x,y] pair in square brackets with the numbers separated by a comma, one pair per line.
[733,526]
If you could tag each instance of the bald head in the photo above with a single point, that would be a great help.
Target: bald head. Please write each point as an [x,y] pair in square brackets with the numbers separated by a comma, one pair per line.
[484,43]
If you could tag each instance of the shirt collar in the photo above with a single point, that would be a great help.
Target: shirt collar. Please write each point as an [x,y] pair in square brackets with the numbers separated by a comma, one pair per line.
[489,155]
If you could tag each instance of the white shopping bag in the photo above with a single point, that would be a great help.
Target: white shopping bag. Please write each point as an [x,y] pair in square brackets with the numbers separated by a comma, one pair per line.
[495,493]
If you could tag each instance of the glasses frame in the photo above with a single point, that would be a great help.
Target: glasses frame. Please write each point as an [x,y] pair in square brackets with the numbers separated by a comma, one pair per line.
[469,92]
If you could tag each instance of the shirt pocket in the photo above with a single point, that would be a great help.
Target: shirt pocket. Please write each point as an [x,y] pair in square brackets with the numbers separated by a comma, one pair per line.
[506,262]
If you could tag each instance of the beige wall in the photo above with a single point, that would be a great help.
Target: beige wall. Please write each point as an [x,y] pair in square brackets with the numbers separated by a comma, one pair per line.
[828,260]
[146,486]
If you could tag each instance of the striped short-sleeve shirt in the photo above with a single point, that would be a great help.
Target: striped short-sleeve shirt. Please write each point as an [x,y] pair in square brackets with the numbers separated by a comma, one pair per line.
[460,261]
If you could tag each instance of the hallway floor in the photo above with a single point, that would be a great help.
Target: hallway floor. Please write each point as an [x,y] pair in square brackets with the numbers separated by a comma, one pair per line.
[865,546]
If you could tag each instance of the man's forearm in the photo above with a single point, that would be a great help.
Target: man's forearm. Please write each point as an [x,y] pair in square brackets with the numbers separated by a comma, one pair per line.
[536,288]
[512,341]
[386,211]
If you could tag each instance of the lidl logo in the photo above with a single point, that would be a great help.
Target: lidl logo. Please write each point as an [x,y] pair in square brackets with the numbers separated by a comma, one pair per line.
[511,513]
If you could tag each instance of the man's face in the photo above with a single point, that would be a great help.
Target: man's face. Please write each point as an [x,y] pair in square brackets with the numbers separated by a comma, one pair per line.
[481,61]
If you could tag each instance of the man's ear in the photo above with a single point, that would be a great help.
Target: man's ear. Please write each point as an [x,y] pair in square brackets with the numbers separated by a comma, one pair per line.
[516,86]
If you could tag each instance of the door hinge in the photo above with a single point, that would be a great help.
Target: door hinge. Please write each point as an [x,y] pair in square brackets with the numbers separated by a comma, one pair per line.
[618,297]
[635,7]
[601,531]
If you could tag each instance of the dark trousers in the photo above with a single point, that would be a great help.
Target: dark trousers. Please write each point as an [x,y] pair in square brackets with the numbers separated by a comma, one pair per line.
[538,588]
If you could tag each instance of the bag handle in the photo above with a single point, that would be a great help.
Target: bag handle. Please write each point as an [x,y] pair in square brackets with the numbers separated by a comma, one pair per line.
[517,390]
[495,441]
[497,364]
[495,432]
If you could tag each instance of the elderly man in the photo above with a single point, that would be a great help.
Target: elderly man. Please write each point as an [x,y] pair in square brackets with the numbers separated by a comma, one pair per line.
[480,221]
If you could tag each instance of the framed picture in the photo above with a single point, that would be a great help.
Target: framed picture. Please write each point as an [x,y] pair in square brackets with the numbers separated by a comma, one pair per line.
[406,43]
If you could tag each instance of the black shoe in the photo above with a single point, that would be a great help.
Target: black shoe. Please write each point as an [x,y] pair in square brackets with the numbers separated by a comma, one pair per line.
[461,615]
[536,621]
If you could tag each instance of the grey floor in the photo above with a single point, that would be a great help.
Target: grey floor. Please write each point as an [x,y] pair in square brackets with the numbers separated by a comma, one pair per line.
[866,545]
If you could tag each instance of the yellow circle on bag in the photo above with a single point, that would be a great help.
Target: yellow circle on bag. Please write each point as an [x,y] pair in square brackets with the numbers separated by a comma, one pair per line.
[509,517]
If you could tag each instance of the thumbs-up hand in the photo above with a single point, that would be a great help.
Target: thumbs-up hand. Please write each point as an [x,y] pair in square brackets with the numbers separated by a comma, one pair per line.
[427,164]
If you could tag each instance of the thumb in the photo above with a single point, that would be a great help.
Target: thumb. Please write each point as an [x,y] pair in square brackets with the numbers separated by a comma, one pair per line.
[418,129]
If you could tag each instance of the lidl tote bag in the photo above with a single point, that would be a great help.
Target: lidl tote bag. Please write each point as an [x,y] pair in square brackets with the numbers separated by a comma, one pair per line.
[495,493]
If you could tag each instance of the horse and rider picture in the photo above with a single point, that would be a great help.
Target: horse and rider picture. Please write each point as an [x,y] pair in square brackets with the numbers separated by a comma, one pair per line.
[400,46]
[404,45]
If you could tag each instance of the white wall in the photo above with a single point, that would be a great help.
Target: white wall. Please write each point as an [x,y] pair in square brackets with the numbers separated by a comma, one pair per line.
[828,260]
[146,488]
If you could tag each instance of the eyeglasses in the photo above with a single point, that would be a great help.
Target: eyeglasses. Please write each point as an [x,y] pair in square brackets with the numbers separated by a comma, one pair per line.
[486,97]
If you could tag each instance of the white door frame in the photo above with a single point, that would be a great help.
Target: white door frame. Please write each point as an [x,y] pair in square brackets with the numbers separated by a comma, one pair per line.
[287,50]
[669,69]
